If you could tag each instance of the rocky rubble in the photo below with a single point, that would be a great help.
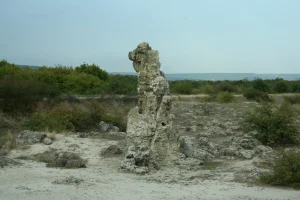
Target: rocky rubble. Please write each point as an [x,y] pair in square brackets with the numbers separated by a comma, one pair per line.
[112,150]
[29,137]
[238,147]
[53,158]
[106,127]
[150,136]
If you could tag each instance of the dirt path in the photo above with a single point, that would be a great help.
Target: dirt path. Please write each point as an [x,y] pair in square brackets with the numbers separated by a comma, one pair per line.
[101,179]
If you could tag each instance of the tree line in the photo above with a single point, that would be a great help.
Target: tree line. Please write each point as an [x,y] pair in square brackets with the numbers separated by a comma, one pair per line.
[21,87]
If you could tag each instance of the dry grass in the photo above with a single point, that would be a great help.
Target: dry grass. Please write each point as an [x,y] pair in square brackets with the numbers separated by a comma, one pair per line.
[8,127]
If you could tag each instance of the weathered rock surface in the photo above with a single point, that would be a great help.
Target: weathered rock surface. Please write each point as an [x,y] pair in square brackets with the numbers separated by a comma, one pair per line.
[199,148]
[4,161]
[106,127]
[69,181]
[29,137]
[54,158]
[47,141]
[150,135]
[245,147]
[112,150]
[106,135]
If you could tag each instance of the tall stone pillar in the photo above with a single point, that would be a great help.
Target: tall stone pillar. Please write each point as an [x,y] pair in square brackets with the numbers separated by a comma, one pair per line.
[150,140]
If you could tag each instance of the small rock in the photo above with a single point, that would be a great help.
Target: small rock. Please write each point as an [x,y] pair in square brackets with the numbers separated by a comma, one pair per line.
[29,137]
[106,127]
[69,181]
[61,159]
[113,129]
[47,141]
[198,148]
[112,150]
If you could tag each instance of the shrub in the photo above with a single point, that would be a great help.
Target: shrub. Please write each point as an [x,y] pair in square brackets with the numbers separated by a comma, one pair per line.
[258,84]
[225,97]
[252,94]
[286,170]
[82,83]
[212,97]
[92,70]
[120,84]
[207,89]
[275,125]
[182,87]
[226,87]
[60,119]
[296,86]
[80,117]
[281,87]
[19,95]
[295,99]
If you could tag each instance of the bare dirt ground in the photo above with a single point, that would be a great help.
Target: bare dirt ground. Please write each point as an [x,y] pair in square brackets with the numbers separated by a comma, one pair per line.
[219,178]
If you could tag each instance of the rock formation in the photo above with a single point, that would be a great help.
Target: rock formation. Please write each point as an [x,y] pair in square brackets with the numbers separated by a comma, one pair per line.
[150,136]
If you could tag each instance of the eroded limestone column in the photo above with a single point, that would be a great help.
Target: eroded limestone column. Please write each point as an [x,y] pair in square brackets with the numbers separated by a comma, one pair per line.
[151,139]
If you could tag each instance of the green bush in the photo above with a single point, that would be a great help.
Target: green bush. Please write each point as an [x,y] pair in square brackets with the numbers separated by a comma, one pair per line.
[226,87]
[275,125]
[296,86]
[207,89]
[60,119]
[78,116]
[252,94]
[295,99]
[181,87]
[19,95]
[286,170]
[225,97]
[92,70]
[281,87]
[120,84]
[260,85]
[82,83]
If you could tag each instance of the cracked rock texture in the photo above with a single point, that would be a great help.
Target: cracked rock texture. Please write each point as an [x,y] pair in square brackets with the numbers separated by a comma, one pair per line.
[150,139]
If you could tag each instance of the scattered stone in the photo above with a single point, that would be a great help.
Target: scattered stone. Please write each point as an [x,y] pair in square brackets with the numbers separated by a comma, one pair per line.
[150,136]
[74,146]
[103,135]
[106,127]
[69,181]
[22,187]
[61,159]
[4,162]
[264,151]
[242,147]
[188,163]
[29,137]
[191,128]
[112,150]
[47,141]
[199,148]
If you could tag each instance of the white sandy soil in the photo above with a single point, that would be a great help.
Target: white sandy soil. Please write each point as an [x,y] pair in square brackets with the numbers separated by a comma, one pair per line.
[102,179]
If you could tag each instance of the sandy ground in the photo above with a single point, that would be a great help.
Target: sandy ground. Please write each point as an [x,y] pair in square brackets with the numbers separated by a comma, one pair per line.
[102,180]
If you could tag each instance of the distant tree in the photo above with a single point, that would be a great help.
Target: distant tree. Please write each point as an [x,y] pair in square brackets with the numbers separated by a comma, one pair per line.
[7,68]
[281,87]
[258,84]
[181,87]
[81,83]
[296,87]
[93,70]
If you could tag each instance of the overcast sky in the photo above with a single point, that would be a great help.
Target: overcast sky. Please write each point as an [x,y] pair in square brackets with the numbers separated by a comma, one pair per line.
[192,36]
